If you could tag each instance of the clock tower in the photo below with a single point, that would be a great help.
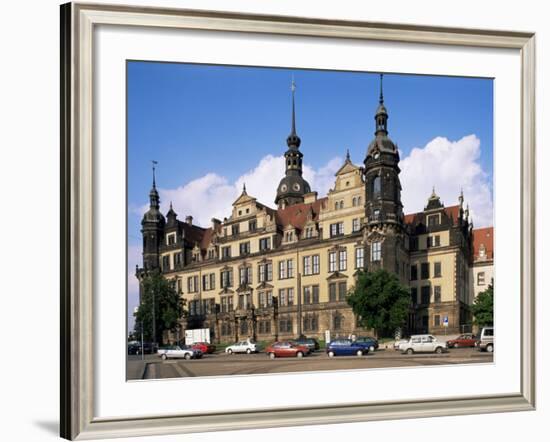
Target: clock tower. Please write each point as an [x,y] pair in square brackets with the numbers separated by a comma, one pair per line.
[385,234]
[292,187]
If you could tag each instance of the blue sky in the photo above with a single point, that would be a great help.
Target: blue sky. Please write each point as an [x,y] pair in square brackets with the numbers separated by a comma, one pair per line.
[213,126]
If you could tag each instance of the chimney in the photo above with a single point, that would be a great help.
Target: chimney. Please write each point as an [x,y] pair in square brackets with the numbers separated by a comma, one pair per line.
[216,223]
[189,220]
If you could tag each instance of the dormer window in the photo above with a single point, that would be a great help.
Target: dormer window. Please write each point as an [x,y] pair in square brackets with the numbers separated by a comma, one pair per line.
[252,225]
[289,236]
[171,239]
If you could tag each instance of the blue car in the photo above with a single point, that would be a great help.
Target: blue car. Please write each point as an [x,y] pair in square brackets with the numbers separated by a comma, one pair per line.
[347,347]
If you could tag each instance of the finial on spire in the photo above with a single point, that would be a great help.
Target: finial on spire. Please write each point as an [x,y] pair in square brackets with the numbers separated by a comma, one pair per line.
[171,205]
[244,188]
[154,164]
[293,89]
[347,155]
[381,100]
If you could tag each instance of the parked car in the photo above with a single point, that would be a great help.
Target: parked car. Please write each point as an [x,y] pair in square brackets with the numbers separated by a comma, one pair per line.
[345,347]
[465,340]
[311,343]
[423,344]
[485,339]
[134,348]
[371,342]
[397,344]
[286,350]
[242,347]
[205,347]
[177,351]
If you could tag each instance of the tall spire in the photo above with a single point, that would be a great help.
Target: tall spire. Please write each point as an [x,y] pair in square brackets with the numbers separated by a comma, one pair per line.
[293,140]
[381,116]
[381,99]
[154,199]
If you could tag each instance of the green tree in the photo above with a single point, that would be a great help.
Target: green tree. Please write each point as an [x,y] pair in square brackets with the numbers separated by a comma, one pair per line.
[380,301]
[482,309]
[161,305]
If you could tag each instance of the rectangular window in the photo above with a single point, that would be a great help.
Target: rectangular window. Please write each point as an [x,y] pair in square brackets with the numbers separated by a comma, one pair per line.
[425,270]
[282,297]
[337,229]
[315,264]
[413,244]
[414,272]
[291,296]
[481,278]
[226,278]
[307,265]
[359,258]
[433,220]
[244,248]
[315,294]
[171,240]
[307,295]
[177,260]
[332,262]
[342,291]
[245,275]
[205,282]
[212,281]
[285,325]
[425,294]
[252,225]
[265,272]
[437,241]
[265,244]
[356,224]
[332,292]
[343,260]
[437,293]
[178,285]
[166,263]
[437,320]
[286,269]
[235,229]
[226,252]
[414,295]
[437,270]
[192,284]
[376,251]
[282,270]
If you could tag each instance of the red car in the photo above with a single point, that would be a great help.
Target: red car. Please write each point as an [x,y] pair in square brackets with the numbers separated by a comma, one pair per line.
[466,340]
[286,350]
[205,347]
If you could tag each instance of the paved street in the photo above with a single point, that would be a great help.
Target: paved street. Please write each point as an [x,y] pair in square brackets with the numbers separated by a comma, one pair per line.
[221,364]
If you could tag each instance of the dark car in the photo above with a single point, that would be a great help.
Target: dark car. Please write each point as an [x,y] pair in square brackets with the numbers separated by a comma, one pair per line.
[346,347]
[371,342]
[134,348]
[310,343]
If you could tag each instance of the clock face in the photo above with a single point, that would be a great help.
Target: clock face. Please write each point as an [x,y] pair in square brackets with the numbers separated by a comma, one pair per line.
[284,188]
[296,187]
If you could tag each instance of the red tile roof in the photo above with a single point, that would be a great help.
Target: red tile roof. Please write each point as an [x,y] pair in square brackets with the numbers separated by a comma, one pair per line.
[296,214]
[483,236]
[451,211]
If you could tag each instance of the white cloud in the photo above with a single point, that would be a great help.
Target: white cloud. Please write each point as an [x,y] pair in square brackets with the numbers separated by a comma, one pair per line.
[449,166]
[212,195]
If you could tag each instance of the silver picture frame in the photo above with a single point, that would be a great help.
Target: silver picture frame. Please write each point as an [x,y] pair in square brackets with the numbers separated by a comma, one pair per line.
[77,213]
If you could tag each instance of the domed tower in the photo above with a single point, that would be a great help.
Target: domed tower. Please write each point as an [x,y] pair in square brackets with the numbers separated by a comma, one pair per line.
[292,187]
[152,228]
[385,232]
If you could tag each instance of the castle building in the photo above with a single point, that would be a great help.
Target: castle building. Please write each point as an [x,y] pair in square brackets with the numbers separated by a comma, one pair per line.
[279,273]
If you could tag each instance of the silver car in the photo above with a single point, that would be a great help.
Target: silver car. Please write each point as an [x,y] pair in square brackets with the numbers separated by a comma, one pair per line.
[242,347]
[423,344]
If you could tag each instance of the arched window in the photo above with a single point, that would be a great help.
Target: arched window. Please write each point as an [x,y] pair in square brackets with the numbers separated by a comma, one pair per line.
[376,187]
[341,204]
[336,205]
[358,200]
[354,201]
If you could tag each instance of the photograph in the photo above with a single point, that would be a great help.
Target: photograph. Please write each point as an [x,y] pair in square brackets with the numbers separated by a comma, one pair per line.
[284,220]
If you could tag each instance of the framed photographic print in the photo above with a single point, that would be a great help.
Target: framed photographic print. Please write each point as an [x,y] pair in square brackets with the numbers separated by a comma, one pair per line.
[270,204]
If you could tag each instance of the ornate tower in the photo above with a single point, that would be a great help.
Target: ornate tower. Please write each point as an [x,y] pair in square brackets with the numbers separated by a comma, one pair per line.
[292,187]
[385,234]
[152,228]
